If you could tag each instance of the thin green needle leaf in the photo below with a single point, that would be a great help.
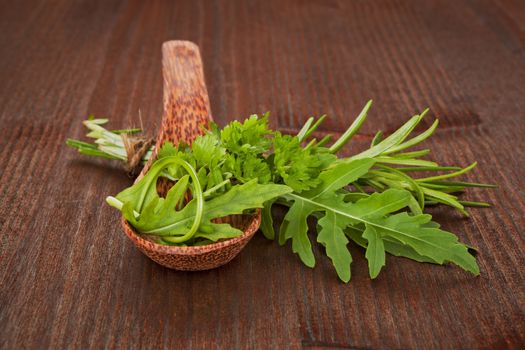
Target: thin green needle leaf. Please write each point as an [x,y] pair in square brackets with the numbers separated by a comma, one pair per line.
[415,140]
[315,126]
[301,135]
[443,188]
[352,130]
[99,153]
[463,184]
[429,168]
[420,195]
[447,176]
[90,149]
[375,184]
[410,155]
[324,141]
[80,144]
[397,137]
[310,144]
[416,162]
[215,188]
[475,204]
[377,138]
[445,199]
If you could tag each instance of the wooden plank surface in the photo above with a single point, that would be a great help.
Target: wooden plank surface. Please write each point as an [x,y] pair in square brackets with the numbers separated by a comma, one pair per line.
[70,278]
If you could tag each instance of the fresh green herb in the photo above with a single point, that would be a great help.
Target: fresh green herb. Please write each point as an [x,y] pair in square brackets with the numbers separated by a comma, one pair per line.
[376,198]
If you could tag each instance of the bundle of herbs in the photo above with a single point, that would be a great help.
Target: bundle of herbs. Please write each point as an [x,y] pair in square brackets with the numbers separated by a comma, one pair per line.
[370,198]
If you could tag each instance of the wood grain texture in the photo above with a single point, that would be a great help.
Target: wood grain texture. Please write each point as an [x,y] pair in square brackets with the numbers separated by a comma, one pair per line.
[68,276]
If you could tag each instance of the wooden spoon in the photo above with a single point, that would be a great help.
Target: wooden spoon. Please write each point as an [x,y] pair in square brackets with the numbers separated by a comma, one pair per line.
[186,110]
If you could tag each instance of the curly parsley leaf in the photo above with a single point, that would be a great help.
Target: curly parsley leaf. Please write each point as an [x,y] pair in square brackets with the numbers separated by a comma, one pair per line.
[248,137]
[248,166]
[298,167]
[208,151]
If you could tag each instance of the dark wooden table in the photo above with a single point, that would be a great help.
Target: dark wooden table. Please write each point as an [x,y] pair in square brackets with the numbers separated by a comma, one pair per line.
[71,279]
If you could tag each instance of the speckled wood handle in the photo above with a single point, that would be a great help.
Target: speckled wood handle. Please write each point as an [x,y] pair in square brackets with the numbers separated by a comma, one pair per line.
[186,102]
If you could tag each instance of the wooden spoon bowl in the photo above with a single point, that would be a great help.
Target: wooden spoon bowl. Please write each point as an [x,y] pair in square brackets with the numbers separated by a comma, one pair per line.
[186,110]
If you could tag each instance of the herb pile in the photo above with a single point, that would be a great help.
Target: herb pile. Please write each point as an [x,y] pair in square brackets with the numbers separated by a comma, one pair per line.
[370,198]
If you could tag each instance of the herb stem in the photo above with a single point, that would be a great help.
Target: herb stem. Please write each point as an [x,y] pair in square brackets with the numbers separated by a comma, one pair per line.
[115,203]
[214,189]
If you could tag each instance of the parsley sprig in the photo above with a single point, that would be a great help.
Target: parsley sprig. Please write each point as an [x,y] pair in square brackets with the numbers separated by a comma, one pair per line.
[376,199]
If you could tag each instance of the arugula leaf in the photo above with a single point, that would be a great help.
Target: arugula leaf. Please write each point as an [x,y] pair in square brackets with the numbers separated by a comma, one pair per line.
[377,205]
[241,197]
[332,237]
[144,191]
[340,175]
[161,217]
[215,232]
[392,246]
[418,238]
[295,226]
[375,250]
[267,219]
[432,242]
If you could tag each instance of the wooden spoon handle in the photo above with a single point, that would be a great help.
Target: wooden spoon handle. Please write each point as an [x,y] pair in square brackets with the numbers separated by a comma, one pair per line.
[186,103]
